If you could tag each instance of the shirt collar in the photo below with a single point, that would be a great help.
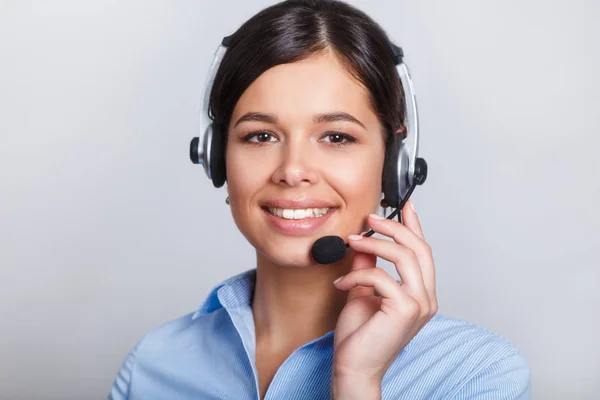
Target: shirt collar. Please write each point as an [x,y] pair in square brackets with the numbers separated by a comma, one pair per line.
[234,292]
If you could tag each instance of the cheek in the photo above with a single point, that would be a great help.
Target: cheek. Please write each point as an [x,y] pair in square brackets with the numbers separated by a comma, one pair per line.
[245,174]
[358,181]
[242,185]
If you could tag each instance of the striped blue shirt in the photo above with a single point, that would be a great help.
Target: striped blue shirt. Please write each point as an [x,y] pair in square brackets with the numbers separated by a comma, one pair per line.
[210,354]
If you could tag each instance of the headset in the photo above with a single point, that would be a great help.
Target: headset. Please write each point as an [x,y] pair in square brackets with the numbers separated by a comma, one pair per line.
[402,170]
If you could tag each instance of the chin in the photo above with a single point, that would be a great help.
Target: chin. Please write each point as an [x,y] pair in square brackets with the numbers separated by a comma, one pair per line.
[293,252]
[288,243]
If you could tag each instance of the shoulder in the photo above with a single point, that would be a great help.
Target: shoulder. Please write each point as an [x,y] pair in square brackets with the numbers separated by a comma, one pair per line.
[180,334]
[172,346]
[459,359]
[462,336]
[121,386]
[184,348]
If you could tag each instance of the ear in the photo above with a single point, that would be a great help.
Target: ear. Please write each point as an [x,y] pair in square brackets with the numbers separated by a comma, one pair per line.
[402,132]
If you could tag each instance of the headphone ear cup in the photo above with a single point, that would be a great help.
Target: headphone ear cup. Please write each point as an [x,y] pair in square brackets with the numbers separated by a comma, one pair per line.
[217,158]
[403,171]
[395,172]
[390,171]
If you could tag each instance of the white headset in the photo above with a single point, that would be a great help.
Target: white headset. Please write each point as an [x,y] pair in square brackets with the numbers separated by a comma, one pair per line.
[403,170]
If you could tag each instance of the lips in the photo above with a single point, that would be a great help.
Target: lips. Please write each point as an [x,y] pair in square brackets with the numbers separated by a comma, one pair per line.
[299,204]
[298,217]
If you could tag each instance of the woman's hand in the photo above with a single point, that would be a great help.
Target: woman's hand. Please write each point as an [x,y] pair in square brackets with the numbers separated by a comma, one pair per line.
[372,331]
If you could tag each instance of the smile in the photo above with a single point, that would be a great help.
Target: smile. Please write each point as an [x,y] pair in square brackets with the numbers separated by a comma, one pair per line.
[298,213]
[304,217]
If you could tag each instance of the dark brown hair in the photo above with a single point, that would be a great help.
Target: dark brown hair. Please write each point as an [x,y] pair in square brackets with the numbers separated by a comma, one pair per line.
[294,30]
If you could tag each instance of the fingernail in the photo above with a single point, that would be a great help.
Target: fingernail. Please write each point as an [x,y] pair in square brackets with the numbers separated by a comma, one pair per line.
[338,279]
[355,237]
[376,216]
[412,205]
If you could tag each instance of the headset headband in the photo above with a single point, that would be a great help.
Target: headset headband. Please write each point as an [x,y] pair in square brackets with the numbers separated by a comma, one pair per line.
[406,168]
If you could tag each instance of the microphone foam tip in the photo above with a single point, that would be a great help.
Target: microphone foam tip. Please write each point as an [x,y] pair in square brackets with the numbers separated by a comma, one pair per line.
[328,249]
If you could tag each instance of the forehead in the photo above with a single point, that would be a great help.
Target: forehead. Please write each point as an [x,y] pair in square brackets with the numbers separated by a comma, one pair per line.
[296,91]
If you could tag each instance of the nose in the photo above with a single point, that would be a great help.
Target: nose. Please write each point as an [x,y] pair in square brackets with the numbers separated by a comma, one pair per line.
[297,166]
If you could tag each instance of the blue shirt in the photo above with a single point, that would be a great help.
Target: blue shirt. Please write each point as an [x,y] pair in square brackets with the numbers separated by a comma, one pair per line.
[209,354]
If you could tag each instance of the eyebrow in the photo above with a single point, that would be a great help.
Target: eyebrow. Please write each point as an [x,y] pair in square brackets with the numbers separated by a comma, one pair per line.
[318,119]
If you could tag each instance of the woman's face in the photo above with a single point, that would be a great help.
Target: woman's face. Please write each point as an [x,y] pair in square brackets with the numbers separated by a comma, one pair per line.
[304,158]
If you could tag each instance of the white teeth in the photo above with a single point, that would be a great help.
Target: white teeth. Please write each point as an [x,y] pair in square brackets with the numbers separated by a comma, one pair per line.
[289,213]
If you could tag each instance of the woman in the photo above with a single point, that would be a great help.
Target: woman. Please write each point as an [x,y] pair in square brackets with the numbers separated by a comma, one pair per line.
[305,100]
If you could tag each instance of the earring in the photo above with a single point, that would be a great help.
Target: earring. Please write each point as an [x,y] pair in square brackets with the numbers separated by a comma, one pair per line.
[384,206]
[227,200]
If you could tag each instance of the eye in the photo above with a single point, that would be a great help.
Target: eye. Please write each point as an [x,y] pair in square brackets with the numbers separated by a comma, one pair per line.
[338,138]
[259,137]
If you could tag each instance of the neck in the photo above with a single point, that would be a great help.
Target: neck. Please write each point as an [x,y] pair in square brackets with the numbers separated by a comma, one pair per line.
[294,305]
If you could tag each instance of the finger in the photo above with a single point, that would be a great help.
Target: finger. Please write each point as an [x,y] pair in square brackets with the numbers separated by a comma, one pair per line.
[361,261]
[405,260]
[402,235]
[399,232]
[411,220]
[375,278]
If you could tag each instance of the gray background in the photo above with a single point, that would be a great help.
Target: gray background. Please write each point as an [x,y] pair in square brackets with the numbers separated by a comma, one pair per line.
[107,229]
